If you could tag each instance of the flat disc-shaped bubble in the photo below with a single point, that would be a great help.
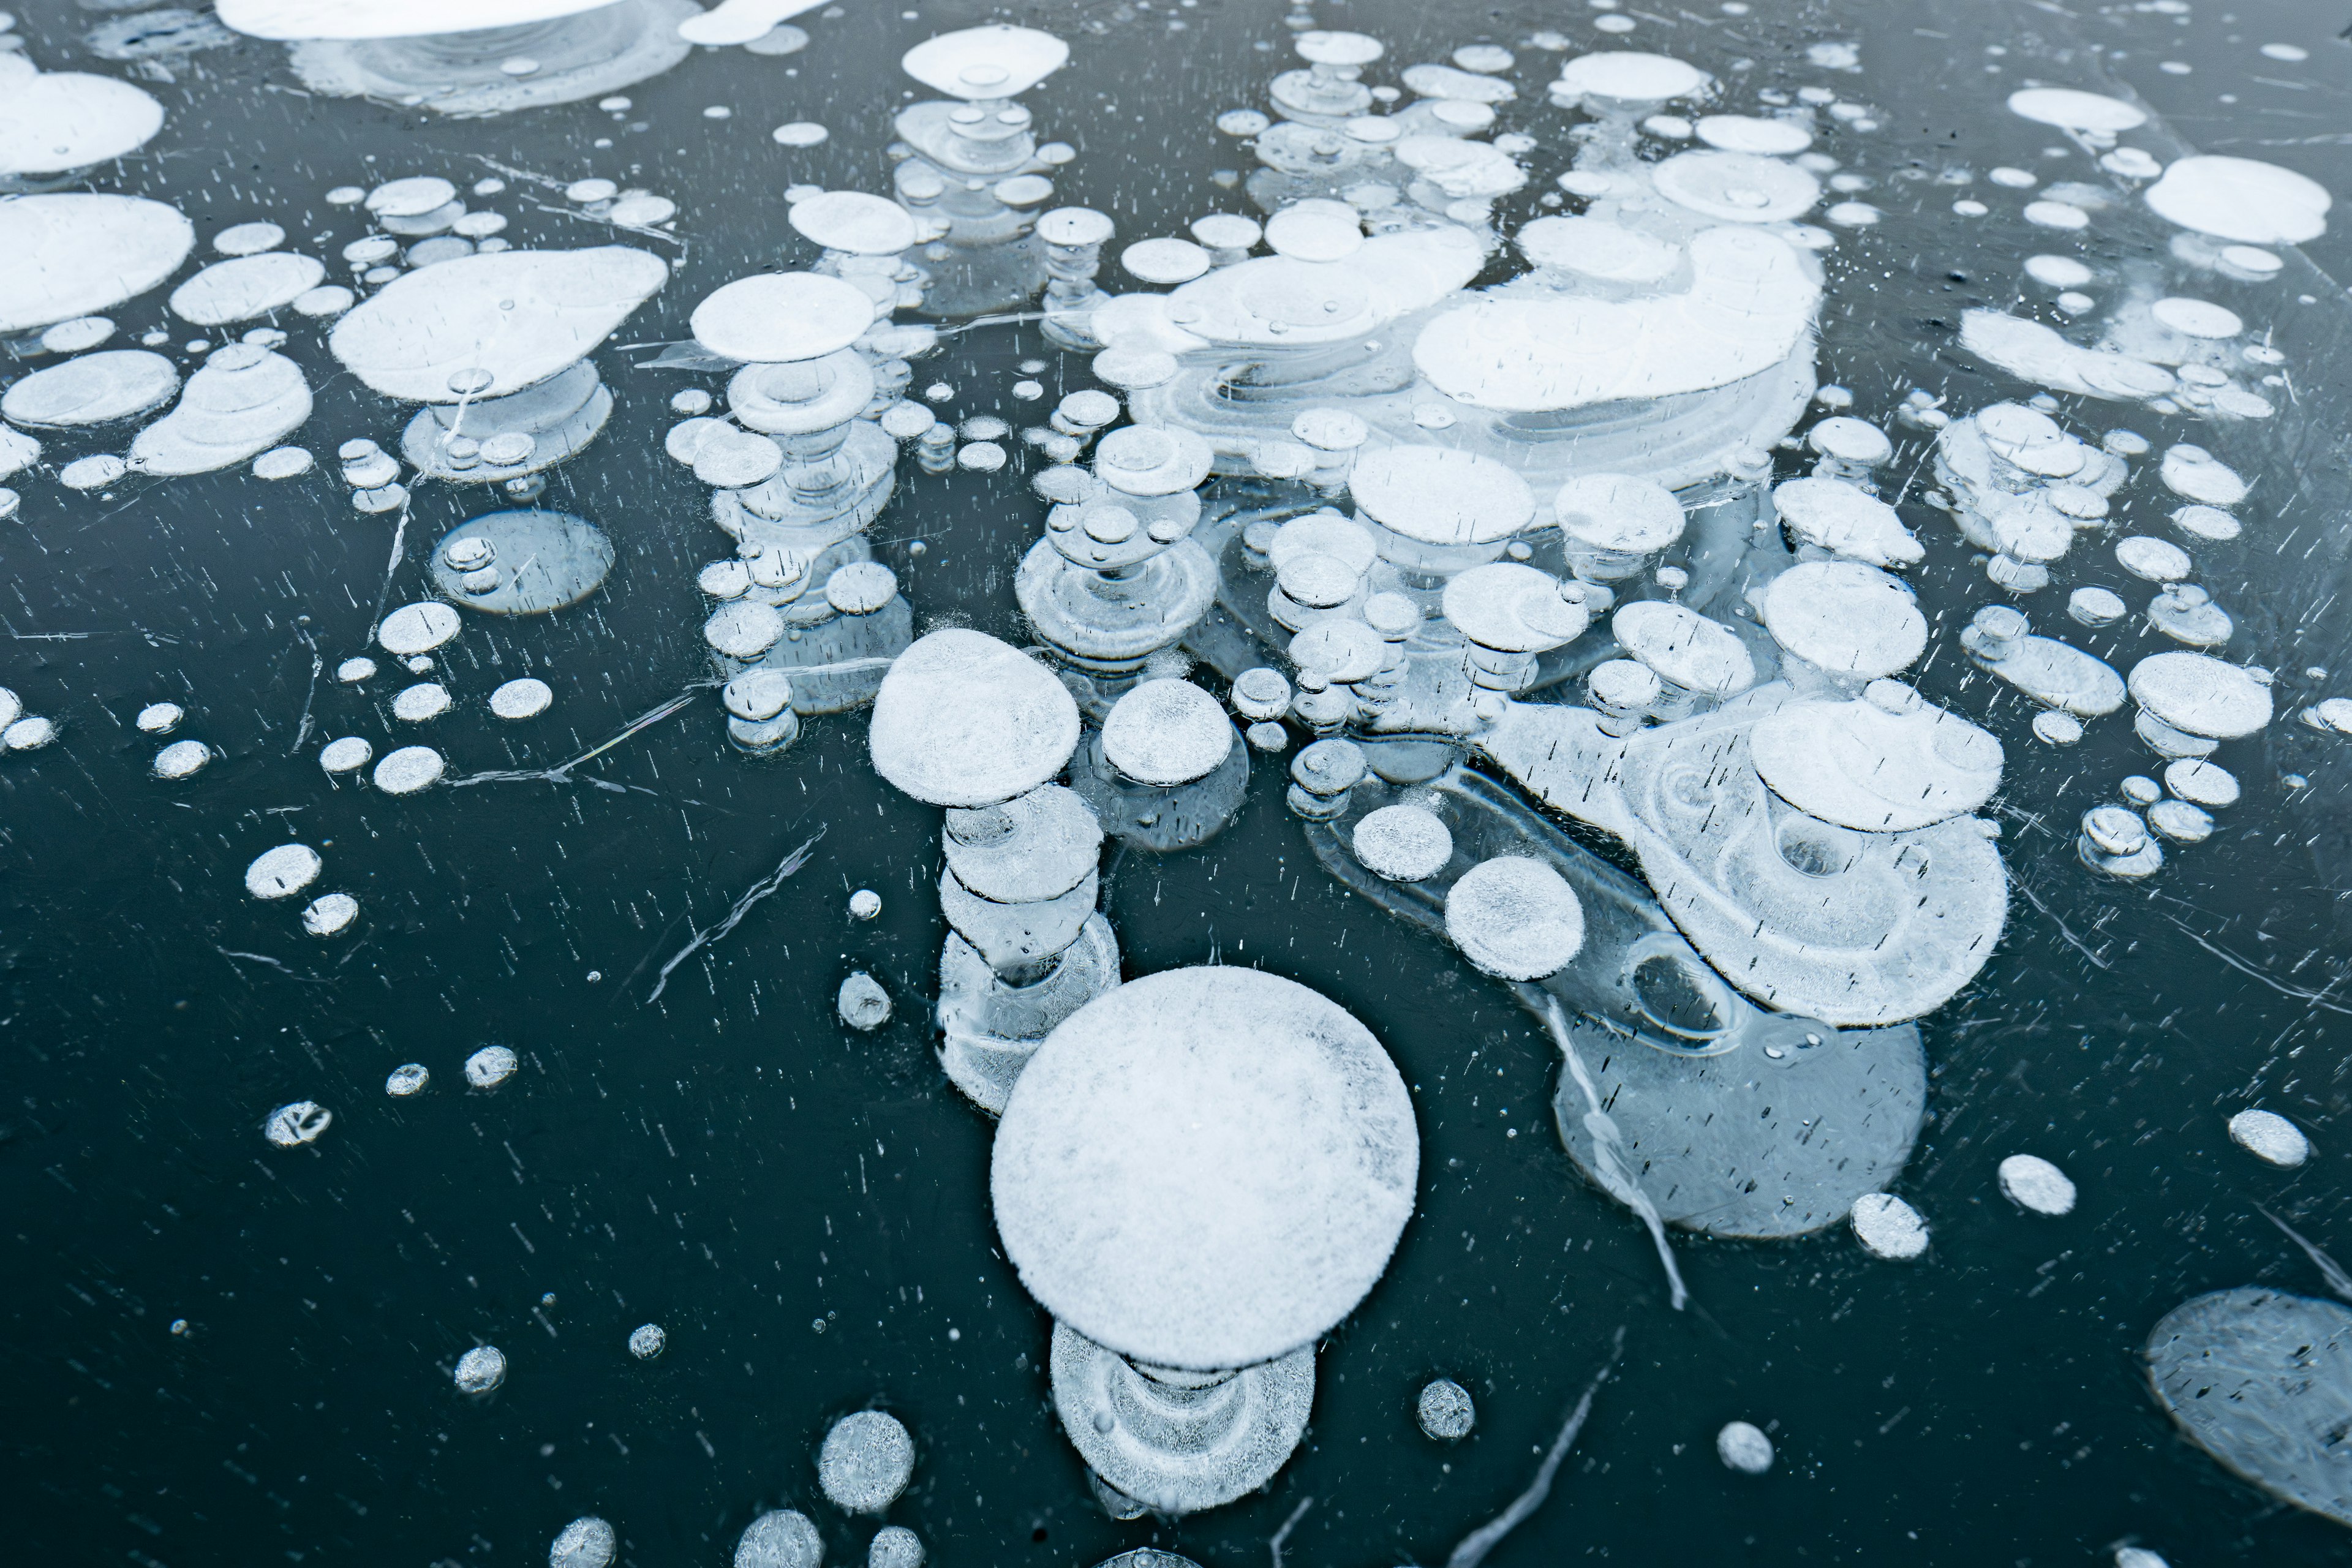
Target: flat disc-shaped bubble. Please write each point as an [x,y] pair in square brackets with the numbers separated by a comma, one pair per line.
[1627,76]
[2242,199]
[1889,1227]
[1860,765]
[282,872]
[1461,168]
[1195,1093]
[854,222]
[1685,646]
[2270,1137]
[1180,1450]
[330,913]
[1501,606]
[1442,496]
[2033,1182]
[1167,732]
[51,121]
[2262,1381]
[114,383]
[2202,694]
[1846,618]
[242,400]
[981,63]
[1037,845]
[1403,843]
[1745,133]
[545,560]
[74,254]
[866,1462]
[1737,187]
[782,1538]
[302,19]
[1596,248]
[1467,87]
[1515,916]
[1847,522]
[485,326]
[740,21]
[246,287]
[2071,109]
[964,719]
[586,1543]
[408,770]
[1278,300]
[1748,305]
[524,699]
[781,317]
[417,629]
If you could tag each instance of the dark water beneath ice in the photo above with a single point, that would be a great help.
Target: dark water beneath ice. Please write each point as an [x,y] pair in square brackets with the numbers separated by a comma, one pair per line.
[804,1210]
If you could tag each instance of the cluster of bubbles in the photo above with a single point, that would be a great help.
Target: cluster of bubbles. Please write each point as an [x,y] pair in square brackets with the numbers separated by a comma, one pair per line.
[1453,556]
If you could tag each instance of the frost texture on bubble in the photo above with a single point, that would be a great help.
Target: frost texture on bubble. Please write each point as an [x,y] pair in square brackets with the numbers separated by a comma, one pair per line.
[2262,1381]
[1744,1448]
[54,122]
[647,1341]
[1889,1227]
[480,1370]
[781,1538]
[1184,1444]
[1196,1092]
[866,1462]
[1444,1410]
[963,719]
[282,871]
[242,400]
[2033,1182]
[2270,1137]
[894,1546]
[47,243]
[586,1543]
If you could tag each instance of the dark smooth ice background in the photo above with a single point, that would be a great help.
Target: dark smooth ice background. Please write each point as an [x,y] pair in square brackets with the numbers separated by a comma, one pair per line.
[804,1210]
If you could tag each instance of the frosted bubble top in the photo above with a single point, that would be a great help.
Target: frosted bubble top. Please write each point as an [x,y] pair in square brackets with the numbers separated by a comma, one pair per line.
[1599,248]
[417,629]
[1335,48]
[1167,732]
[1513,608]
[964,719]
[73,254]
[53,121]
[1864,766]
[1035,846]
[1745,134]
[1628,77]
[1440,496]
[982,63]
[1306,232]
[298,20]
[1685,646]
[854,222]
[1152,460]
[1205,1168]
[1163,261]
[1461,85]
[1737,187]
[2242,199]
[2270,1137]
[487,325]
[2200,694]
[1403,843]
[244,287]
[1515,918]
[2033,1182]
[866,1462]
[2069,108]
[778,317]
[2261,1379]
[1846,618]
[282,872]
[1846,521]
[1618,512]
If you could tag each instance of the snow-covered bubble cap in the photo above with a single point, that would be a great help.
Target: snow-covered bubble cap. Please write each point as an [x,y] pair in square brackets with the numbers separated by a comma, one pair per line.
[487,325]
[1846,521]
[854,222]
[47,243]
[480,1370]
[408,770]
[282,872]
[92,389]
[1325,46]
[781,1538]
[1846,618]
[1889,1227]
[1315,231]
[2200,694]
[1444,1410]
[1597,248]
[408,1078]
[1888,762]
[302,1121]
[1512,608]
[53,121]
[523,698]
[1403,843]
[244,287]
[1191,1095]
[866,1462]
[2268,1136]
[1627,76]
[2033,1182]
[1685,646]
[964,719]
[1152,460]
[2242,199]
[1164,261]
[417,629]
[1515,916]
[1618,512]
[1742,1446]
[586,1543]
[1438,495]
[1851,441]
[330,913]
[982,63]
[1745,134]
[2195,475]
[182,758]
[1167,732]
[2201,783]
[779,317]
[491,1067]
[425,700]
[1736,187]
[2069,108]
[2197,318]
[301,20]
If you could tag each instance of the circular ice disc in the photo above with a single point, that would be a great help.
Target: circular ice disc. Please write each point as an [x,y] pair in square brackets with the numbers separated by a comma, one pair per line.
[114,383]
[1441,496]
[2071,109]
[417,629]
[1403,843]
[964,719]
[1167,732]
[778,317]
[1515,916]
[2200,694]
[1231,1440]
[2242,199]
[545,560]
[1845,617]
[2262,1381]
[1737,187]
[1205,1168]
[1858,765]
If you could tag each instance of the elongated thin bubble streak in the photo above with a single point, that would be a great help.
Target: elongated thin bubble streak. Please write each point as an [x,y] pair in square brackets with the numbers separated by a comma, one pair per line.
[1608,1164]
